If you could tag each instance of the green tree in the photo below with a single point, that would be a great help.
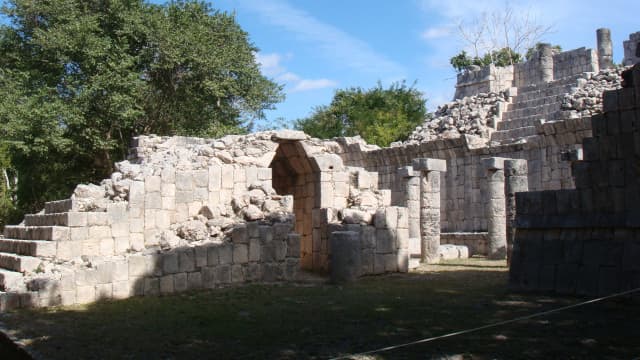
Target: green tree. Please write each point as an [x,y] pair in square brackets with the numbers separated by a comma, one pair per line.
[379,115]
[79,78]
[502,57]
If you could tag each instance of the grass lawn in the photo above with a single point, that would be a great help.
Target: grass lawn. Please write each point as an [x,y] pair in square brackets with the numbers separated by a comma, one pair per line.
[320,321]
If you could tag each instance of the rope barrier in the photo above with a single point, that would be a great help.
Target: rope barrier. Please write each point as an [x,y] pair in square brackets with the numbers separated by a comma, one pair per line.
[462,332]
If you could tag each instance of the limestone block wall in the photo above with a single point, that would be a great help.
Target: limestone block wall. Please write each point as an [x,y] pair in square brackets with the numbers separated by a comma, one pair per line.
[384,241]
[574,62]
[256,252]
[343,188]
[484,80]
[586,241]
[463,197]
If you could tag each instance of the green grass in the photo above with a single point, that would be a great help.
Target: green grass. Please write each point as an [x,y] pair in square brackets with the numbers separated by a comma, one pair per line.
[321,321]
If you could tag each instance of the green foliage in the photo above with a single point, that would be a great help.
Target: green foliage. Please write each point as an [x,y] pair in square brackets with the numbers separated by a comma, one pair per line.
[502,57]
[533,50]
[79,78]
[379,115]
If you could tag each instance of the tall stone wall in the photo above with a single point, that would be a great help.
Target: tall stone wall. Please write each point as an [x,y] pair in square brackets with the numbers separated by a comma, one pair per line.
[462,195]
[586,241]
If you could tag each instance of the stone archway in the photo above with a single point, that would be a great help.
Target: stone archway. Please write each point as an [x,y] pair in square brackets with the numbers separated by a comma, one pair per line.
[292,174]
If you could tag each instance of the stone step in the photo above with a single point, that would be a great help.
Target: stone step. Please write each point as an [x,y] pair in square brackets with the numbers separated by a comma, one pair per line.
[51,233]
[59,206]
[544,92]
[28,247]
[56,219]
[542,111]
[19,263]
[526,104]
[513,134]
[514,124]
[531,120]
[566,81]
[11,280]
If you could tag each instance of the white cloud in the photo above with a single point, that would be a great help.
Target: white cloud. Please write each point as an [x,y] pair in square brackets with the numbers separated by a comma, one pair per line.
[313,84]
[287,77]
[271,66]
[331,42]
[269,63]
[436,32]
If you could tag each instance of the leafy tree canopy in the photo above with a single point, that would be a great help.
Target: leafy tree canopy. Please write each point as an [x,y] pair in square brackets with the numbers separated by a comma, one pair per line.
[79,78]
[380,115]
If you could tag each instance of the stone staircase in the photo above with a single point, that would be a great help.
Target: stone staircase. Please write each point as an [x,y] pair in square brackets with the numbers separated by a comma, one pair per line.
[531,104]
[23,246]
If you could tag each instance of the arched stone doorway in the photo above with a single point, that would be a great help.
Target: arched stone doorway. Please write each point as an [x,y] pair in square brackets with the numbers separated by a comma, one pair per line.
[292,174]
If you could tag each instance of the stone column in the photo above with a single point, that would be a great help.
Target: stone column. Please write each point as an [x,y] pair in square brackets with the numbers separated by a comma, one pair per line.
[546,62]
[515,172]
[430,170]
[605,49]
[495,210]
[411,183]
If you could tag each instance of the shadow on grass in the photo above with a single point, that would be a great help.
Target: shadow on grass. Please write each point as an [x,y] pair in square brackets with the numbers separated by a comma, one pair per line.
[289,321]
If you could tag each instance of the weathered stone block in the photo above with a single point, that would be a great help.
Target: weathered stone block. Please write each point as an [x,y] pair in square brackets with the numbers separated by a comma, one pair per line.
[85,294]
[170,263]
[212,255]
[186,260]
[194,280]
[224,274]
[385,241]
[237,273]
[180,282]
[293,245]
[240,234]
[240,253]
[166,284]
[225,254]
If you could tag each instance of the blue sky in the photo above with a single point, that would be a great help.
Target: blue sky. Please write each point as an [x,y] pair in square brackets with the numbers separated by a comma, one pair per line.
[314,47]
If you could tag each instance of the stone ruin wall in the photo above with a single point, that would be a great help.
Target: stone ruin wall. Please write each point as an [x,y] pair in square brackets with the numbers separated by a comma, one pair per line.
[188,213]
[586,241]
[463,195]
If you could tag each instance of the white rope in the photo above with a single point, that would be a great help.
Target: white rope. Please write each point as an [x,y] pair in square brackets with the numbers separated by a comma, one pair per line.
[462,332]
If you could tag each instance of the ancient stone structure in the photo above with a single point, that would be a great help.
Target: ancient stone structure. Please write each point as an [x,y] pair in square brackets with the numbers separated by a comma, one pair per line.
[586,240]
[632,50]
[187,213]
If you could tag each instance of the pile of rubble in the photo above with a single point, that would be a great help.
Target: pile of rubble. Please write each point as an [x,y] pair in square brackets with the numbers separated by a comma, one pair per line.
[586,98]
[472,115]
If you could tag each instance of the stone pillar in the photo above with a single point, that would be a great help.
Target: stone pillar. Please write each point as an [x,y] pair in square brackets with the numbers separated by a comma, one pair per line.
[546,62]
[346,261]
[495,210]
[411,183]
[430,170]
[515,172]
[605,49]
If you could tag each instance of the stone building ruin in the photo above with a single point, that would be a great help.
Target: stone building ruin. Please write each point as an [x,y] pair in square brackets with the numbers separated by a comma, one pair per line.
[187,213]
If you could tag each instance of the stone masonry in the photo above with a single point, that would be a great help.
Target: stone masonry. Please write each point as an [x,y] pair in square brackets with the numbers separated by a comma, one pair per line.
[586,240]
[187,213]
